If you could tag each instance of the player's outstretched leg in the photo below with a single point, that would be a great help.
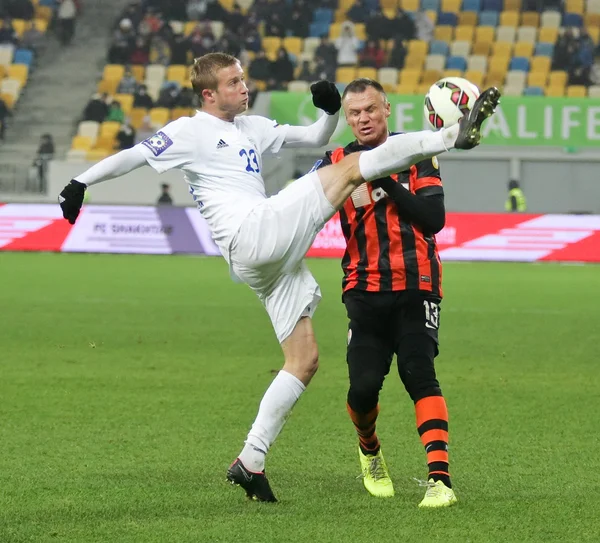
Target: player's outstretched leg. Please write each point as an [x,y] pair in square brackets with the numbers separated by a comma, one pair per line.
[256,485]
[469,132]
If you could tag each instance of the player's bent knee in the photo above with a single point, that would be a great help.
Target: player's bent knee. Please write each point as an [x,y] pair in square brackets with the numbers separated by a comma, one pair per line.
[363,394]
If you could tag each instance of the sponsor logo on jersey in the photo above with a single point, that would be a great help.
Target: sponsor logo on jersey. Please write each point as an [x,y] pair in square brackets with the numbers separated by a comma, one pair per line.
[221,144]
[158,143]
[435,163]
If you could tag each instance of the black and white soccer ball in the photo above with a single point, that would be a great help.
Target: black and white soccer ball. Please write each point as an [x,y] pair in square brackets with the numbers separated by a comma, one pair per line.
[448,100]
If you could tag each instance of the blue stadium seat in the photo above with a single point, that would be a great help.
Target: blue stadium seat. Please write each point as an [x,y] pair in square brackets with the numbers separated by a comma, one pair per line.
[23,56]
[446,18]
[323,15]
[572,19]
[316,30]
[519,63]
[438,47]
[544,50]
[430,5]
[50,3]
[456,63]
[488,18]
[471,5]
[493,5]
[533,91]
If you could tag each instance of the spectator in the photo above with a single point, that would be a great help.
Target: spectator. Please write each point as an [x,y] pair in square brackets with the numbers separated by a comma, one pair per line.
[96,109]
[358,13]
[179,49]
[424,26]
[274,26]
[122,44]
[347,46]
[397,55]
[402,27]
[260,67]
[115,113]
[372,56]
[564,51]
[252,92]
[140,54]
[299,23]
[584,60]
[142,99]
[306,73]
[66,14]
[201,41]
[45,154]
[128,83]
[20,9]
[595,72]
[7,33]
[196,9]
[160,51]
[215,11]
[282,69]
[327,51]
[5,112]
[32,38]
[187,98]
[235,20]
[125,137]
[165,198]
[378,26]
[133,12]
[252,41]
[324,69]
[169,96]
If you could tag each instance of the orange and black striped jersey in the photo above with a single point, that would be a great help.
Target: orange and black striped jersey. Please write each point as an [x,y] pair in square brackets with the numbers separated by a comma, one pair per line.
[384,251]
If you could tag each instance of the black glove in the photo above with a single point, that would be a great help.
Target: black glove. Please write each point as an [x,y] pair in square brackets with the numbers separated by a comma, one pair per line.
[71,200]
[326,96]
[385,183]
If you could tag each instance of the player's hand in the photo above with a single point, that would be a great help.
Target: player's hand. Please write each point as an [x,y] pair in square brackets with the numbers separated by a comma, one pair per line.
[385,183]
[71,200]
[326,96]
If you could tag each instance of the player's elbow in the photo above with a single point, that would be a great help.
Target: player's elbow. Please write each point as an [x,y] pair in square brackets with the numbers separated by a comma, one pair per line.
[437,223]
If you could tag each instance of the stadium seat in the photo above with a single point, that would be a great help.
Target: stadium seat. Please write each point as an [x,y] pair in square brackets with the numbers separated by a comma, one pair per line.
[540,64]
[23,56]
[513,90]
[594,91]
[136,117]
[516,78]
[475,77]
[320,29]
[81,143]
[460,48]
[7,52]
[438,47]
[409,77]
[105,142]
[594,32]
[488,18]
[502,49]
[178,112]
[298,86]
[509,18]
[368,73]
[477,63]
[537,79]
[177,72]
[533,91]
[95,155]
[452,73]
[464,33]
[217,28]
[43,12]
[414,62]
[435,62]
[9,99]
[323,15]
[445,18]
[178,27]
[557,78]
[519,63]
[471,5]
[484,34]
[89,129]
[139,72]
[417,47]
[492,5]
[388,77]
[593,6]
[548,35]
[523,49]
[429,77]
[433,5]
[527,33]
[410,5]
[155,74]
[443,33]
[450,6]
[576,91]
[109,129]
[189,27]
[530,18]
[481,48]
[113,72]
[544,49]
[310,45]
[12,87]
[574,6]
[126,101]
[159,116]
[554,91]
[293,45]
[572,19]
[512,5]
[550,19]
[19,72]
[591,20]
[19,26]
[506,34]
[467,18]
[456,63]
[407,88]
[271,45]
[345,74]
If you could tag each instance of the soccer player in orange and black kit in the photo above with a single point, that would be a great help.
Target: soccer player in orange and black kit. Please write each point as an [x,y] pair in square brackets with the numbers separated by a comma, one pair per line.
[392,292]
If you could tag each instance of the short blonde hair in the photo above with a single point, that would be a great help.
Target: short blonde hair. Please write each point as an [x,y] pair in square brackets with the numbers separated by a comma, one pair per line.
[205,69]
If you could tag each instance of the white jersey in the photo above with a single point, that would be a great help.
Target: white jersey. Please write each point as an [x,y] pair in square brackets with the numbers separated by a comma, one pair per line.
[222,163]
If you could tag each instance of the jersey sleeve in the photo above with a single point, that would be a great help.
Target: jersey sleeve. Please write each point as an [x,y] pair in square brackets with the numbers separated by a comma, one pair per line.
[171,147]
[428,178]
[268,134]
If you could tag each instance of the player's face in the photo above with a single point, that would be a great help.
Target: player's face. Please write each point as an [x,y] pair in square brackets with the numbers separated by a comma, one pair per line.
[367,113]
[231,96]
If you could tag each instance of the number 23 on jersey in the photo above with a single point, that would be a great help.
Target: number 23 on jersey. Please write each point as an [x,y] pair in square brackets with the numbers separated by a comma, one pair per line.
[252,165]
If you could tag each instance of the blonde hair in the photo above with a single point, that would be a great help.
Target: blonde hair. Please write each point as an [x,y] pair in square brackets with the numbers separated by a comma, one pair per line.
[205,69]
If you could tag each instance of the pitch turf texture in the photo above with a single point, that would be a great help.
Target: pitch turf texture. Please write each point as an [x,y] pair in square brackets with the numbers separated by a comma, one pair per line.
[128,384]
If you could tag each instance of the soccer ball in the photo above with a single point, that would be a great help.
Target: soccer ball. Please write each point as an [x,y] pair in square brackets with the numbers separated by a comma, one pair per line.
[448,100]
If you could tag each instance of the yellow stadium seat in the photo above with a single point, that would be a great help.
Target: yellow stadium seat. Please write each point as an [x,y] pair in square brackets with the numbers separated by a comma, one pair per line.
[554,90]
[2,71]
[537,79]
[41,25]
[482,48]
[346,4]
[105,142]
[484,34]
[443,33]
[417,47]
[501,49]
[452,6]
[540,64]
[81,143]
[271,44]
[464,33]
[452,73]
[136,117]
[108,86]
[340,16]
[423,89]
[523,49]
[512,5]
[548,35]
[293,45]
[557,78]
[498,64]
[19,72]
[109,129]
[335,29]
[19,26]
[409,77]
[594,33]
[177,72]
[388,4]
[9,99]
[95,155]
[494,79]
[414,62]
[178,112]
[475,77]
[530,18]
[189,27]
[576,91]
[43,12]
[429,77]
[139,72]
[509,18]
[126,101]
[260,85]
[159,116]
[389,87]
[574,6]
[113,71]
[410,5]
[390,13]
[431,15]
[591,20]
[345,75]
[369,73]
[406,88]
[467,18]
[361,31]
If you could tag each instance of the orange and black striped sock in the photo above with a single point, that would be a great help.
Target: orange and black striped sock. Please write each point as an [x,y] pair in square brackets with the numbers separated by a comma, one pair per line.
[365,428]
[432,425]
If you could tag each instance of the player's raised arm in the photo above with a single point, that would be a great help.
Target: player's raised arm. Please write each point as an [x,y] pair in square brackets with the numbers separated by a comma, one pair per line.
[326,97]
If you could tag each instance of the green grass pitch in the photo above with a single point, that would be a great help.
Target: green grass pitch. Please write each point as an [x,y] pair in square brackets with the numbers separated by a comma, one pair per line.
[128,383]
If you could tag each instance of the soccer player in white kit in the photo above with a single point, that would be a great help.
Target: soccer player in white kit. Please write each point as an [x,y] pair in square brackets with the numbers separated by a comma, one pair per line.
[264,240]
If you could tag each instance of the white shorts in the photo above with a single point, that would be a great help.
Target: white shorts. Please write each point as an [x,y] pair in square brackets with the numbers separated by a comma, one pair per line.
[267,252]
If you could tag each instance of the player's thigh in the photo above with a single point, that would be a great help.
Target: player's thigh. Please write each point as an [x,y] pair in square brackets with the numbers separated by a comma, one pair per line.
[417,313]
[370,338]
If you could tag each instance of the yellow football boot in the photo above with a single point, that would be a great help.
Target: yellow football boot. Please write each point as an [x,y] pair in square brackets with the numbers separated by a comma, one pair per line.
[375,475]
[437,495]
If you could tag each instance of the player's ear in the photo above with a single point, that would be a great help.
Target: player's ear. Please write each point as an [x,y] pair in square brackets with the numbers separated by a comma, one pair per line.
[388,109]
[207,94]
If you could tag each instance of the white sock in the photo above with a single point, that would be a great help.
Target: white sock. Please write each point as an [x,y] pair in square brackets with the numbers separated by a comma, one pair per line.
[278,401]
[401,151]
